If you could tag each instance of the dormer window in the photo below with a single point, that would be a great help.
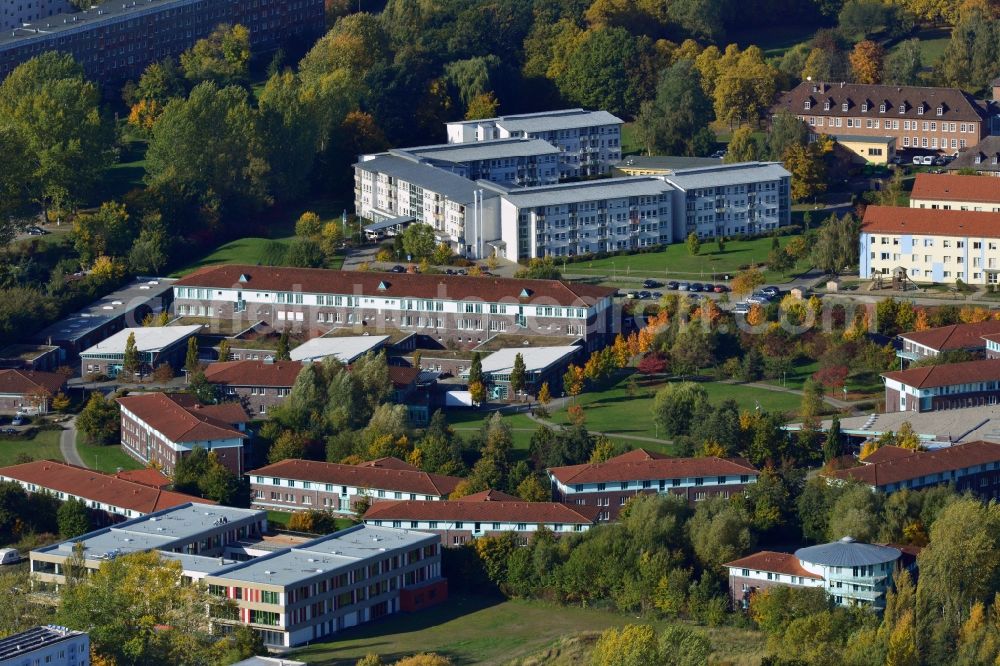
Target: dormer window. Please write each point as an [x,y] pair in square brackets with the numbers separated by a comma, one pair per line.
[826,105]
[881,108]
[383,285]
[902,108]
[815,87]
[940,110]
[920,110]
[994,159]
[808,104]
[864,107]
[979,159]
[843,107]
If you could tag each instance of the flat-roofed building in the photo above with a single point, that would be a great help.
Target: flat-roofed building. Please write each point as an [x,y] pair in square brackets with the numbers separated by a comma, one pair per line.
[51,645]
[660,165]
[445,309]
[293,485]
[743,198]
[610,484]
[14,15]
[972,467]
[852,573]
[161,428]
[922,119]
[44,358]
[257,385]
[109,496]
[116,42]
[516,161]
[590,141]
[484,514]
[868,149]
[157,345]
[345,349]
[955,192]
[931,342]
[945,386]
[941,246]
[541,365]
[601,215]
[28,391]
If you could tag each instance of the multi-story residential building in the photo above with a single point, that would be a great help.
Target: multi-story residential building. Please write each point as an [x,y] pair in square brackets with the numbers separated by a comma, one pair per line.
[482,514]
[156,345]
[257,385]
[28,391]
[161,428]
[972,467]
[541,365]
[522,162]
[589,141]
[851,573]
[610,484]
[292,485]
[730,199]
[50,645]
[402,188]
[931,342]
[955,192]
[946,386]
[14,15]
[930,245]
[576,218]
[444,309]
[983,158]
[116,42]
[110,497]
[921,119]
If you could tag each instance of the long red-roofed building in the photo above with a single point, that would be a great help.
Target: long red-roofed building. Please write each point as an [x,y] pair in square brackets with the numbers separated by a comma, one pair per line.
[116,497]
[610,484]
[161,428]
[489,513]
[462,310]
[295,485]
[945,386]
[931,342]
[954,192]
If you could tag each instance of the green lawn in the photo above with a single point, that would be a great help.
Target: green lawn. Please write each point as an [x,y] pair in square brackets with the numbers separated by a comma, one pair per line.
[933,42]
[480,630]
[612,410]
[676,262]
[105,458]
[45,444]
[630,143]
[774,40]
[125,175]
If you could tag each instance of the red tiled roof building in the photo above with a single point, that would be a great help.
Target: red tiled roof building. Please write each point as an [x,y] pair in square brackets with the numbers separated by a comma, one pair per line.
[945,386]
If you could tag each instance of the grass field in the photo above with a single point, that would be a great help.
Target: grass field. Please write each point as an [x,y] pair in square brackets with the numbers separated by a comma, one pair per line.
[630,144]
[105,458]
[123,176]
[774,40]
[43,445]
[479,630]
[933,42]
[677,262]
[612,410]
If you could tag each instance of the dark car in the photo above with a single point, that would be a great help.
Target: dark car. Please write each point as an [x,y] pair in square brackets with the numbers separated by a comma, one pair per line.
[708,288]
[643,295]
[651,284]
[36,231]
[397,269]
[721,289]
[657,294]
[695,286]
[672,286]
[449,271]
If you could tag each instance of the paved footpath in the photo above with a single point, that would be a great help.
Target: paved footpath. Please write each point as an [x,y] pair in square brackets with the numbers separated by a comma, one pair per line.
[67,444]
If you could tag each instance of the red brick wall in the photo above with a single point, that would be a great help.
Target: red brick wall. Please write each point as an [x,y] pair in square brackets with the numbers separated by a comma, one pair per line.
[611,501]
[417,598]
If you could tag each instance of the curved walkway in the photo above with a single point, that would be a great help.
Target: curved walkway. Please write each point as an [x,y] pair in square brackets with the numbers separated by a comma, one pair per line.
[67,444]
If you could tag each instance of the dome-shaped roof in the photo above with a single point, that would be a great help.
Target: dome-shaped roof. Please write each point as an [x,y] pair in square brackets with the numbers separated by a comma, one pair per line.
[847,553]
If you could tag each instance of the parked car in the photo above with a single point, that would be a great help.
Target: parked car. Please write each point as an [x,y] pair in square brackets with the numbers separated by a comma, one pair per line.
[18,420]
[719,154]
[708,288]
[741,308]
[9,556]
[651,284]
[397,269]
[940,161]
[918,160]
[721,289]
[683,286]
[9,431]
[758,299]
[36,231]
[673,286]
[643,295]
[771,292]
[657,295]
[631,294]
[449,271]
[695,286]
[927,160]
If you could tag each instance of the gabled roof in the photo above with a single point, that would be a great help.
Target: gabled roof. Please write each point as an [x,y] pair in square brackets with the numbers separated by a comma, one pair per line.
[956,104]
[888,452]
[952,187]
[404,285]
[930,222]
[96,486]
[22,382]
[362,476]
[643,465]
[390,462]
[401,376]
[147,476]
[947,374]
[489,496]
[920,464]
[254,373]
[493,511]
[768,560]
[955,336]
[177,421]
[986,150]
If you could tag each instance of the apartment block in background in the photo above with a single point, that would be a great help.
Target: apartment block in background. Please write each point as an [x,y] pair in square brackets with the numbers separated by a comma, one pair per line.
[955,192]
[609,485]
[50,645]
[590,141]
[257,385]
[162,428]
[296,485]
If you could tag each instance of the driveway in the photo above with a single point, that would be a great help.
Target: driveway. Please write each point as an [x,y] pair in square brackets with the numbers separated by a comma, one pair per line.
[67,444]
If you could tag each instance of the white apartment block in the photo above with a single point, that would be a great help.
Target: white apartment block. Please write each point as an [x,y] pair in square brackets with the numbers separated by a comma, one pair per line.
[49,645]
[16,13]
[931,245]
[589,141]
[520,162]
[730,199]
[592,216]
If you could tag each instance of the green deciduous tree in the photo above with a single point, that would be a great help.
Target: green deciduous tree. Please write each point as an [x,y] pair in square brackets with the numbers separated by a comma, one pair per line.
[222,57]
[291,128]
[904,64]
[99,421]
[418,241]
[518,377]
[693,244]
[131,363]
[191,363]
[675,405]
[680,112]
[602,71]
[743,146]
[73,518]
[745,90]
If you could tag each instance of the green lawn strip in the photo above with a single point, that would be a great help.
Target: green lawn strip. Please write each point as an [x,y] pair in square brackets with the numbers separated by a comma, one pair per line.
[774,40]
[44,445]
[630,141]
[481,630]
[676,262]
[933,42]
[105,458]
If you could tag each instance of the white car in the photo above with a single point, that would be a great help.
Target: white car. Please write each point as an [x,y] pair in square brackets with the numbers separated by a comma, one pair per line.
[927,160]
[9,556]
[918,160]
